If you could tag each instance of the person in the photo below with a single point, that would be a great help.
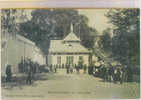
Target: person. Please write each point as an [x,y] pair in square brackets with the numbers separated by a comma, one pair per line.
[105,73]
[71,68]
[89,70]
[25,65]
[37,67]
[55,69]
[77,69]
[21,66]
[92,69]
[101,74]
[8,73]
[118,74]
[62,65]
[110,74]
[115,74]
[67,67]
[51,69]
[29,75]
[85,68]
[33,70]
[124,74]
[121,75]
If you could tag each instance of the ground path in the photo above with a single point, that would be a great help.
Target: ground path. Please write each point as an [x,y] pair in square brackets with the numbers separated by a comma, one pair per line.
[71,86]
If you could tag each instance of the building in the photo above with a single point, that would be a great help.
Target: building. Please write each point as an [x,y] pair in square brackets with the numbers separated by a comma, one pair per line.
[16,47]
[67,51]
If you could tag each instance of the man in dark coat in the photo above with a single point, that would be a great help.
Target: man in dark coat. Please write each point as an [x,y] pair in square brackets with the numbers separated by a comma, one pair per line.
[90,69]
[103,72]
[8,73]
[29,75]
[21,66]
[67,67]
[110,71]
[55,69]
[85,68]
[118,74]
[77,69]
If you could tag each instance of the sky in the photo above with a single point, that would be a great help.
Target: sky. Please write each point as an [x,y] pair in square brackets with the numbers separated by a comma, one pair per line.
[97,18]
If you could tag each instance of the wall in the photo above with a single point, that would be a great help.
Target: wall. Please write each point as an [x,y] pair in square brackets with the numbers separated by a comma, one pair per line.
[16,48]
[52,59]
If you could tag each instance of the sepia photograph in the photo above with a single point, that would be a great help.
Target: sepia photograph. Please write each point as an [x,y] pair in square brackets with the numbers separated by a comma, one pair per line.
[70,54]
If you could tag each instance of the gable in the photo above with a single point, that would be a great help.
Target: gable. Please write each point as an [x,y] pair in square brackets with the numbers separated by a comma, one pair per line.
[71,37]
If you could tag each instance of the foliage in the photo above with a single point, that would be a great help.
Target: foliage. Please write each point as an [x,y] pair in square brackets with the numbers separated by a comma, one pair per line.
[105,40]
[10,20]
[125,42]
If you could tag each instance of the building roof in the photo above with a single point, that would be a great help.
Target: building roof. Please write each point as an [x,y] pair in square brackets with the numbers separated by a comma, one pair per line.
[71,37]
[59,46]
[70,44]
[17,37]
[23,39]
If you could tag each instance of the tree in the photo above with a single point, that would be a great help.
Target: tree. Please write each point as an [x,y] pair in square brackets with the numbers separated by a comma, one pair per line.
[50,23]
[125,42]
[106,40]
[10,20]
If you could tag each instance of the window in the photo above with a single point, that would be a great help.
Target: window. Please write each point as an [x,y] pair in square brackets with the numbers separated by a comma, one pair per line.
[80,62]
[69,60]
[59,60]
[80,58]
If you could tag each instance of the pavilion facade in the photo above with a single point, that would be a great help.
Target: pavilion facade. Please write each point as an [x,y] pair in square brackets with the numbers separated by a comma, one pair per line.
[68,51]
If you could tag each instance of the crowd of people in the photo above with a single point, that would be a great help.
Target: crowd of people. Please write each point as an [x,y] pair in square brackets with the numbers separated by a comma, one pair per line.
[69,68]
[27,67]
[114,74]
[108,73]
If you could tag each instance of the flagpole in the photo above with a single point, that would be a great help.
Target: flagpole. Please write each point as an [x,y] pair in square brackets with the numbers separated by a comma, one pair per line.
[79,29]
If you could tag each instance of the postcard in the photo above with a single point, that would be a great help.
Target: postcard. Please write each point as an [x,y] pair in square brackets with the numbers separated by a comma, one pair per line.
[69,53]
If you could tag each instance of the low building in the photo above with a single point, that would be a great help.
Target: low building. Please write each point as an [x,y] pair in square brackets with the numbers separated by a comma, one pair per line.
[67,51]
[16,47]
